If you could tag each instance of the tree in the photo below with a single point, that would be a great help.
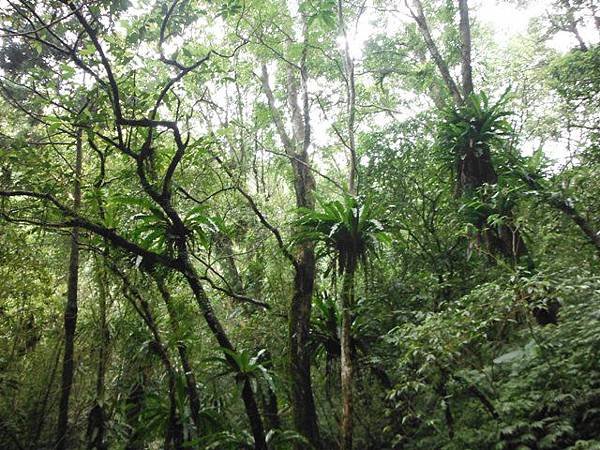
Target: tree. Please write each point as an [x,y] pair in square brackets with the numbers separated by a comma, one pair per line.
[70,307]
[349,233]
[296,148]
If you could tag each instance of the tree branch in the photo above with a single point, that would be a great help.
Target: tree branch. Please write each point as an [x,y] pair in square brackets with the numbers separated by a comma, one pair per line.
[113,237]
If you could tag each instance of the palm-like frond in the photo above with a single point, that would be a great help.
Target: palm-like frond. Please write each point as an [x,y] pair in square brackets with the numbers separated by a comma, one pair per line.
[347,230]
[476,124]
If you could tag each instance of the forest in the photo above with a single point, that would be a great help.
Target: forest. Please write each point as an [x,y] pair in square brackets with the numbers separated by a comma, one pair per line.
[299,224]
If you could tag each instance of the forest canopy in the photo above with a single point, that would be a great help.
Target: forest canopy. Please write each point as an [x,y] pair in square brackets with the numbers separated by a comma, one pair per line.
[308,224]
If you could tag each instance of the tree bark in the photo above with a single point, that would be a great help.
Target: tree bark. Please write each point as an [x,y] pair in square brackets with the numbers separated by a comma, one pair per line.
[70,314]
[97,417]
[465,48]
[350,104]
[304,412]
[213,323]
[192,390]
[347,302]
[302,398]
[174,432]
[133,406]
[419,17]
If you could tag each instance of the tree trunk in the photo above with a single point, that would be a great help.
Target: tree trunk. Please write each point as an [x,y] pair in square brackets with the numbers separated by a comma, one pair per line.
[304,412]
[419,17]
[133,409]
[192,390]
[70,314]
[97,417]
[183,265]
[215,326]
[174,432]
[350,104]
[465,48]
[302,399]
[347,302]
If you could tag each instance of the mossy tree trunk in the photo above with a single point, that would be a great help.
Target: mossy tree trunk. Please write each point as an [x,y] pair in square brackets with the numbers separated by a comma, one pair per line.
[346,363]
[70,314]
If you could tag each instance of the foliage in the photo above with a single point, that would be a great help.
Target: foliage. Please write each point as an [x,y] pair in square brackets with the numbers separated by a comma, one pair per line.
[476,124]
[525,378]
[348,230]
[200,122]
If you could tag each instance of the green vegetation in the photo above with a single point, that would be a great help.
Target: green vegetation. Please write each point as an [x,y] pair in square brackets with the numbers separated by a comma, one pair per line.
[256,224]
